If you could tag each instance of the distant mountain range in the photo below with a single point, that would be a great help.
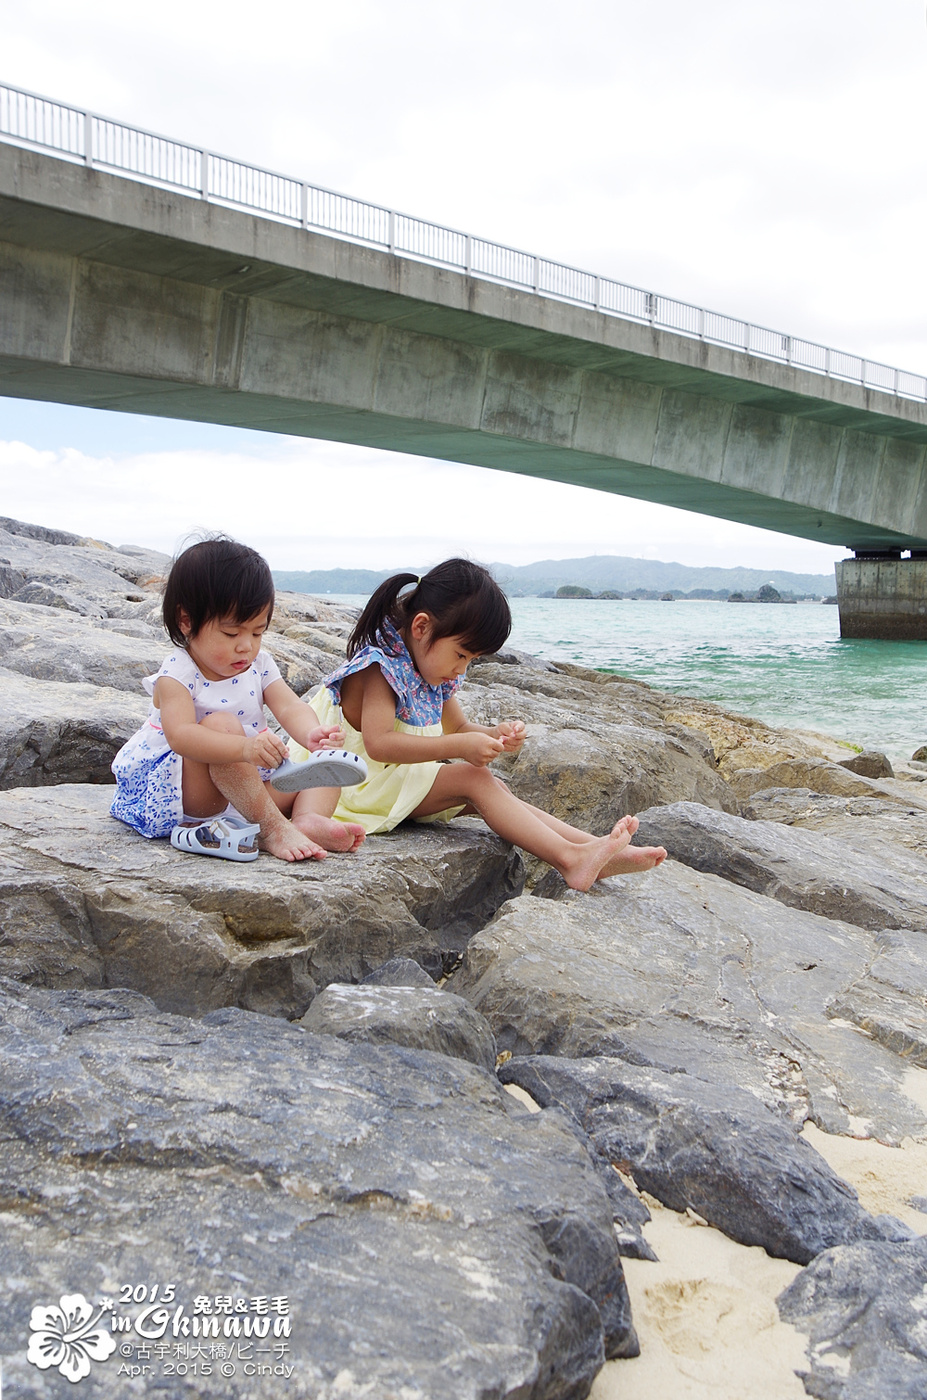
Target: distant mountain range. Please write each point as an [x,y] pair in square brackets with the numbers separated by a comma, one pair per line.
[598,572]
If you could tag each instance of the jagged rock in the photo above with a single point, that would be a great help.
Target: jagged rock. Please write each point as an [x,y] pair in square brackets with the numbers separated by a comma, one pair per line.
[427,1235]
[869,823]
[54,645]
[709,1147]
[97,572]
[819,775]
[806,869]
[920,755]
[863,1306]
[422,1018]
[678,970]
[398,972]
[87,902]
[870,764]
[56,733]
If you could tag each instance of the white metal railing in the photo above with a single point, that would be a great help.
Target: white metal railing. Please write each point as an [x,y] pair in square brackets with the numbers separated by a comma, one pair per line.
[29,120]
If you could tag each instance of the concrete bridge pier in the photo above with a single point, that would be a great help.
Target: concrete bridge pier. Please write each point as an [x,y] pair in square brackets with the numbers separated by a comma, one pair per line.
[882,596]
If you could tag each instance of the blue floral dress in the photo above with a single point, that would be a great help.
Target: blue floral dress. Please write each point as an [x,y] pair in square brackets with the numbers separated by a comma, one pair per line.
[149,790]
[391,791]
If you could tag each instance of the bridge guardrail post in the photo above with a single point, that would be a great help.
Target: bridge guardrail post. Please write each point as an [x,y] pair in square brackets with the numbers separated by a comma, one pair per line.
[88,139]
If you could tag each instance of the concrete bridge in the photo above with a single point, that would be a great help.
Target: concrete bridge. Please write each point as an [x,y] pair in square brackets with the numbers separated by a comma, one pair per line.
[124,295]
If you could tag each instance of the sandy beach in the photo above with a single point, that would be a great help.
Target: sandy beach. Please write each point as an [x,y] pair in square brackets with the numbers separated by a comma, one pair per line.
[706,1313]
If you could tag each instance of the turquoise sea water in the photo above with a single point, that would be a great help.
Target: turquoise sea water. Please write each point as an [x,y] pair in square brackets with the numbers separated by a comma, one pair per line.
[785,665]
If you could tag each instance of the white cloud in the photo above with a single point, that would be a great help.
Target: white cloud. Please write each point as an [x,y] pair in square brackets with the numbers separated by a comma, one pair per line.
[323,505]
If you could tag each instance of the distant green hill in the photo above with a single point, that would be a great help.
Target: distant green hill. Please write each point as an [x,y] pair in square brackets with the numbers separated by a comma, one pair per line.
[333,580]
[598,572]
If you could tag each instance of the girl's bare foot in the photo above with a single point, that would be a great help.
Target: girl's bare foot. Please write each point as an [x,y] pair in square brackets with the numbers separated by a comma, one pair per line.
[632,860]
[330,835]
[584,861]
[282,839]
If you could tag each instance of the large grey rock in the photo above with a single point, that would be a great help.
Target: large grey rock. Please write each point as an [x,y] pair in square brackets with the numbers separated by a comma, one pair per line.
[398,972]
[56,733]
[429,1237]
[809,870]
[863,1306]
[422,1018]
[678,970]
[87,902]
[709,1147]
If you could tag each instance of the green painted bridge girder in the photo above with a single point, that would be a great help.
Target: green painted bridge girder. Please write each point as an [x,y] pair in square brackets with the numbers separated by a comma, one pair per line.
[119,295]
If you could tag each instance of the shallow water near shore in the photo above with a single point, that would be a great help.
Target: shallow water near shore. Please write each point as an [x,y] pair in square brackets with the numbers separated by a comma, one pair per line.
[783,664]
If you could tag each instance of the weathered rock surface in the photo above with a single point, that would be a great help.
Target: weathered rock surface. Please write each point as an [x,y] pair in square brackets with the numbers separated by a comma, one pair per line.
[709,1147]
[877,826]
[55,733]
[428,1236]
[422,1018]
[87,902]
[677,970]
[808,870]
[863,1306]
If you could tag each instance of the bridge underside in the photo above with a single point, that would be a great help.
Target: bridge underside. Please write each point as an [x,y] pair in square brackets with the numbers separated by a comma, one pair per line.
[601,472]
[117,295]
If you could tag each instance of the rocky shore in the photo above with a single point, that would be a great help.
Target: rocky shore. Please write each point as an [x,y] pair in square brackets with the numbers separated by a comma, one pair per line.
[420,1122]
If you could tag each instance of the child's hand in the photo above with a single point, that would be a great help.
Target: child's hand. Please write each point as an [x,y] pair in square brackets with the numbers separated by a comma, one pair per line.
[265,750]
[512,733]
[479,749]
[325,737]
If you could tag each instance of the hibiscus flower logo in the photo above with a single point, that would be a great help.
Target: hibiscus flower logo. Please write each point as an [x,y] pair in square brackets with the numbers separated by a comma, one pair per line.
[68,1337]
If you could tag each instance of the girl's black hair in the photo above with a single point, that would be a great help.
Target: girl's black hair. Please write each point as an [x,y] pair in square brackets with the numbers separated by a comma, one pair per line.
[215,578]
[462,599]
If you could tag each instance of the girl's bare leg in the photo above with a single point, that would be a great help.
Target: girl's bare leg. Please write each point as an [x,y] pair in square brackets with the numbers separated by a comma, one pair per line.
[312,814]
[208,788]
[628,862]
[579,862]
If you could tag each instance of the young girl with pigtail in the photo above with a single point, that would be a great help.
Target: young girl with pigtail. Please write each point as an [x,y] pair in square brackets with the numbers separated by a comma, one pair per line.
[396,700]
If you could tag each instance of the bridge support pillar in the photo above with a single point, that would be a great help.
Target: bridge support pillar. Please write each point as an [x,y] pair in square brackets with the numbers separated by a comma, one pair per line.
[883,596]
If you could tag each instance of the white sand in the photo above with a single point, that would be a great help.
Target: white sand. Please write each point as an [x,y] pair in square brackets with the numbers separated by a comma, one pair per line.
[706,1313]
[707,1320]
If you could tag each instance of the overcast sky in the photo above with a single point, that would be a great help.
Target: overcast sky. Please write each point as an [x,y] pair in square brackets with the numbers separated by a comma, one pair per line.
[761,160]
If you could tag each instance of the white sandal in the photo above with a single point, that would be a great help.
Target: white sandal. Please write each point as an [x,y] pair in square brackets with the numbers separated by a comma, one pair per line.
[218,837]
[324,768]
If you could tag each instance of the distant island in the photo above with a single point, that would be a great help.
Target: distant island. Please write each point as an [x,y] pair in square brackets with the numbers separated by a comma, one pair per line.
[598,576]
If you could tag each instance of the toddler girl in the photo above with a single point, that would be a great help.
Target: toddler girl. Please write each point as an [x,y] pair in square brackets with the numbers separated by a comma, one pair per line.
[205,750]
[397,694]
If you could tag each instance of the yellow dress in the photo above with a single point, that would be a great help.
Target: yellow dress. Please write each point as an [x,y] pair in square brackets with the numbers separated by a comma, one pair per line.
[391,791]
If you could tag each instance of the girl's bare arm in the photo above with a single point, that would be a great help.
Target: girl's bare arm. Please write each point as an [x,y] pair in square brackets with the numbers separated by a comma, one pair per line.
[300,720]
[196,741]
[383,743]
[454,721]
